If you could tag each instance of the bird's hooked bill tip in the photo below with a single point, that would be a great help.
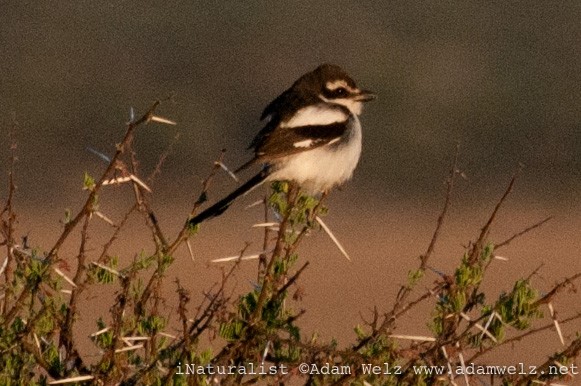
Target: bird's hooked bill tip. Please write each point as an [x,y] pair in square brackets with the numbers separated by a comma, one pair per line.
[366,96]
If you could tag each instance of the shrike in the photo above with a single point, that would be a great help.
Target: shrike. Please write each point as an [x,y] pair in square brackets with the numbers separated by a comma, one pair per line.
[312,136]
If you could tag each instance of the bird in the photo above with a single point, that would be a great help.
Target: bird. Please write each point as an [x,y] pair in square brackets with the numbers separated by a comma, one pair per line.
[312,136]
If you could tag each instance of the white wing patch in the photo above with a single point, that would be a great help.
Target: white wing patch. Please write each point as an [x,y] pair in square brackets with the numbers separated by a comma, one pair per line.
[314,116]
[305,143]
[310,142]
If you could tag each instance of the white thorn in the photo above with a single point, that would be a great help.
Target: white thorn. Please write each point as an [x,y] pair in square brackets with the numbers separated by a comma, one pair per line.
[59,272]
[131,115]
[102,331]
[487,324]
[168,335]
[114,272]
[332,236]
[190,250]
[116,180]
[556,322]
[225,168]
[255,203]
[413,337]
[139,182]
[73,379]
[4,265]
[104,218]
[237,257]
[130,348]
[158,119]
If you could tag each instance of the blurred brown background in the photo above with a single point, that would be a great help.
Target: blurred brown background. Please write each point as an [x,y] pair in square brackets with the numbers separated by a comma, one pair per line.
[501,78]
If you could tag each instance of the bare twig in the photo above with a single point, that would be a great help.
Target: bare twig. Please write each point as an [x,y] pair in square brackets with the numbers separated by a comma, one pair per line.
[203,197]
[556,289]
[522,336]
[87,207]
[66,336]
[8,230]
[523,232]
[405,289]
[479,244]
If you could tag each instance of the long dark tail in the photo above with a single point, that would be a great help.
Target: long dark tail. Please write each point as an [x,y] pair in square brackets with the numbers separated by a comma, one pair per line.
[221,206]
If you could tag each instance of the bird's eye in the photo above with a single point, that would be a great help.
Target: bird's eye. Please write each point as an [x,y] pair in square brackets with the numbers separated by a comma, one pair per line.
[339,92]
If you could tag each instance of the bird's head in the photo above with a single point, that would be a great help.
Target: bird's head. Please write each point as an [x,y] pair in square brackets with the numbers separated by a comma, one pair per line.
[331,84]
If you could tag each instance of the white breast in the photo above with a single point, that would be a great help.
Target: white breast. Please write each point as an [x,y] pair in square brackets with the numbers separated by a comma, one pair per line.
[322,168]
[319,114]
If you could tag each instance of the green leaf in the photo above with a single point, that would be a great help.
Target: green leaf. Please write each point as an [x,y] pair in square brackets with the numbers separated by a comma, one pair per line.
[88,182]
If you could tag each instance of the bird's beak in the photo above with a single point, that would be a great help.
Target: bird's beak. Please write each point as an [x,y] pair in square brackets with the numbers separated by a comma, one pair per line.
[365,96]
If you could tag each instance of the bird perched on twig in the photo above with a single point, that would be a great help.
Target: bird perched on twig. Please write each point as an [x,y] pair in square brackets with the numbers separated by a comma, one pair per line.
[312,136]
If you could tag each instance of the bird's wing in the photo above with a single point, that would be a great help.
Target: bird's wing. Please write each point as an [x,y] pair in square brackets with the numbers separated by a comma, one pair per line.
[295,140]
[308,128]
[299,139]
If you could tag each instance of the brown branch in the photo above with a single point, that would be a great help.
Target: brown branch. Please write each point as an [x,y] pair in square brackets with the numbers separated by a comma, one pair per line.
[66,335]
[293,194]
[572,351]
[162,158]
[556,289]
[144,207]
[200,324]
[117,312]
[523,232]
[450,185]
[115,234]
[520,337]
[8,230]
[206,184]
[262,259]
[38,358]
[406,289]
[479,244]
[291,281]
[86,209]
[311,218]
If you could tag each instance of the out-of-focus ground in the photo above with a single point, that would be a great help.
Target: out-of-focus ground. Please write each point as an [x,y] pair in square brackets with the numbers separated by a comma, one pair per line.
[500,78]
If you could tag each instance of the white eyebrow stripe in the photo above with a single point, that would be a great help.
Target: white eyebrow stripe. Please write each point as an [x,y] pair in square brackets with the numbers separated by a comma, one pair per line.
[336,84]
[317,115]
